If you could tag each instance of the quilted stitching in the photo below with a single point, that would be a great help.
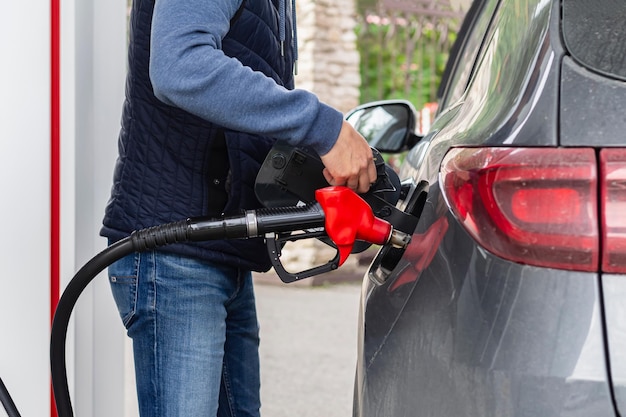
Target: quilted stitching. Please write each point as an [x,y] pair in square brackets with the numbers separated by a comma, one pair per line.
[160,175]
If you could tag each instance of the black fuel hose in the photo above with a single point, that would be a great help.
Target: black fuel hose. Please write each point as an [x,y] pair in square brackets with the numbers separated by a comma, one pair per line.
[7,401]
[250,224]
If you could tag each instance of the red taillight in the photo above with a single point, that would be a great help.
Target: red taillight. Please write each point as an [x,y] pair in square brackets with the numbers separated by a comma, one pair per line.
[613,199]
[535,206]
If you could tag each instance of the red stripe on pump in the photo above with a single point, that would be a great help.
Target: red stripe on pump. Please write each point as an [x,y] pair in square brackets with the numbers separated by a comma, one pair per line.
[55,162]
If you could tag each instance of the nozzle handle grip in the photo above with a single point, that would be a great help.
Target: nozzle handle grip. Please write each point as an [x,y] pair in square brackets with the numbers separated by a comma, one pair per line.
[349,218]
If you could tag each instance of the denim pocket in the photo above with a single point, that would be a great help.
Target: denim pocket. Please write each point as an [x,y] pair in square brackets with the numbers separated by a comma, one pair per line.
[123,279]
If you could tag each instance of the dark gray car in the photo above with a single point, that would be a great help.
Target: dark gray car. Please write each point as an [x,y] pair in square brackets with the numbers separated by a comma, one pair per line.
[511,298]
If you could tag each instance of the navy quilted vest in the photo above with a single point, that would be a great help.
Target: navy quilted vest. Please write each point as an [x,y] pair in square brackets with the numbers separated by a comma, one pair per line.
[161,174]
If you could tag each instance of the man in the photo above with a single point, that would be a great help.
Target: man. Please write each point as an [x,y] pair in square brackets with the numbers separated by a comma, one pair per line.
[209,90]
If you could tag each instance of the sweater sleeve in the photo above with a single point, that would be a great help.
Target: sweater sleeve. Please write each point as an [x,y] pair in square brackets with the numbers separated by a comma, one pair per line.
[189,70]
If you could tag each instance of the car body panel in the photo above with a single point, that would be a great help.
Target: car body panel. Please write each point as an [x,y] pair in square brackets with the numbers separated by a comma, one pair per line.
[512,73]
[614,295]
[454,330]
[594,109]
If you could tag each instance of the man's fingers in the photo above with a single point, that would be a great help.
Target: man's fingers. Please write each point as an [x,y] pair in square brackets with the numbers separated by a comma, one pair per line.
[359,181]
[371,172]
[367,178]
[353,183]
[350,161]
[329,178]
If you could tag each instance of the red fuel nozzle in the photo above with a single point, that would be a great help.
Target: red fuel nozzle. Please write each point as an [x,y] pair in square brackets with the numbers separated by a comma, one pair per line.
[350,218]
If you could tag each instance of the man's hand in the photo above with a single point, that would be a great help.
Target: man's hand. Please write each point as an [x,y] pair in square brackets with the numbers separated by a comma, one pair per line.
[350,161]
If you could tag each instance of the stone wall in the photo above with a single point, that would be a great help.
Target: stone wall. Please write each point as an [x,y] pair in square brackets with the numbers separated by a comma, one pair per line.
[328,63]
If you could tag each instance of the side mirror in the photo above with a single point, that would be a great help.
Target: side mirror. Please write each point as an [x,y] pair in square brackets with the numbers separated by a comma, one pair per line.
[388,125]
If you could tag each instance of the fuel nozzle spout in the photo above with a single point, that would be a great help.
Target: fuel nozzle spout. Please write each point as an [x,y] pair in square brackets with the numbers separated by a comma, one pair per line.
[399,239]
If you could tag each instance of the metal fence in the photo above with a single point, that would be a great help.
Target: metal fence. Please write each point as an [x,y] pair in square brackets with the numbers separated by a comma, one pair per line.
[404,45]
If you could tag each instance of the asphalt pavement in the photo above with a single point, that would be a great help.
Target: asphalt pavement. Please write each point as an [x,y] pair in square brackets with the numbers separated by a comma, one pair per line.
[308,347]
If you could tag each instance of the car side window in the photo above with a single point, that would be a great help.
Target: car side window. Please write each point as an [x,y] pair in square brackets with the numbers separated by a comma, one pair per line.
[467,48]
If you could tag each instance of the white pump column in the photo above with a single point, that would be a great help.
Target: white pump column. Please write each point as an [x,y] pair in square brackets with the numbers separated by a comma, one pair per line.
[24,210]
[87,108]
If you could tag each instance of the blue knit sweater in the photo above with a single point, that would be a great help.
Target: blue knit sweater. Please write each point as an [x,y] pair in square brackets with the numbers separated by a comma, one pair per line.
[197,70]
[188,69]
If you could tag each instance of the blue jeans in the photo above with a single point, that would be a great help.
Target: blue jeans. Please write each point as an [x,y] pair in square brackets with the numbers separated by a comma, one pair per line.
[195,335]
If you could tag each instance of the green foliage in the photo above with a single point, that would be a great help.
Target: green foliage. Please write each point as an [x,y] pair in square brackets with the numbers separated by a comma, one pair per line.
[364,6]
[401,58]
